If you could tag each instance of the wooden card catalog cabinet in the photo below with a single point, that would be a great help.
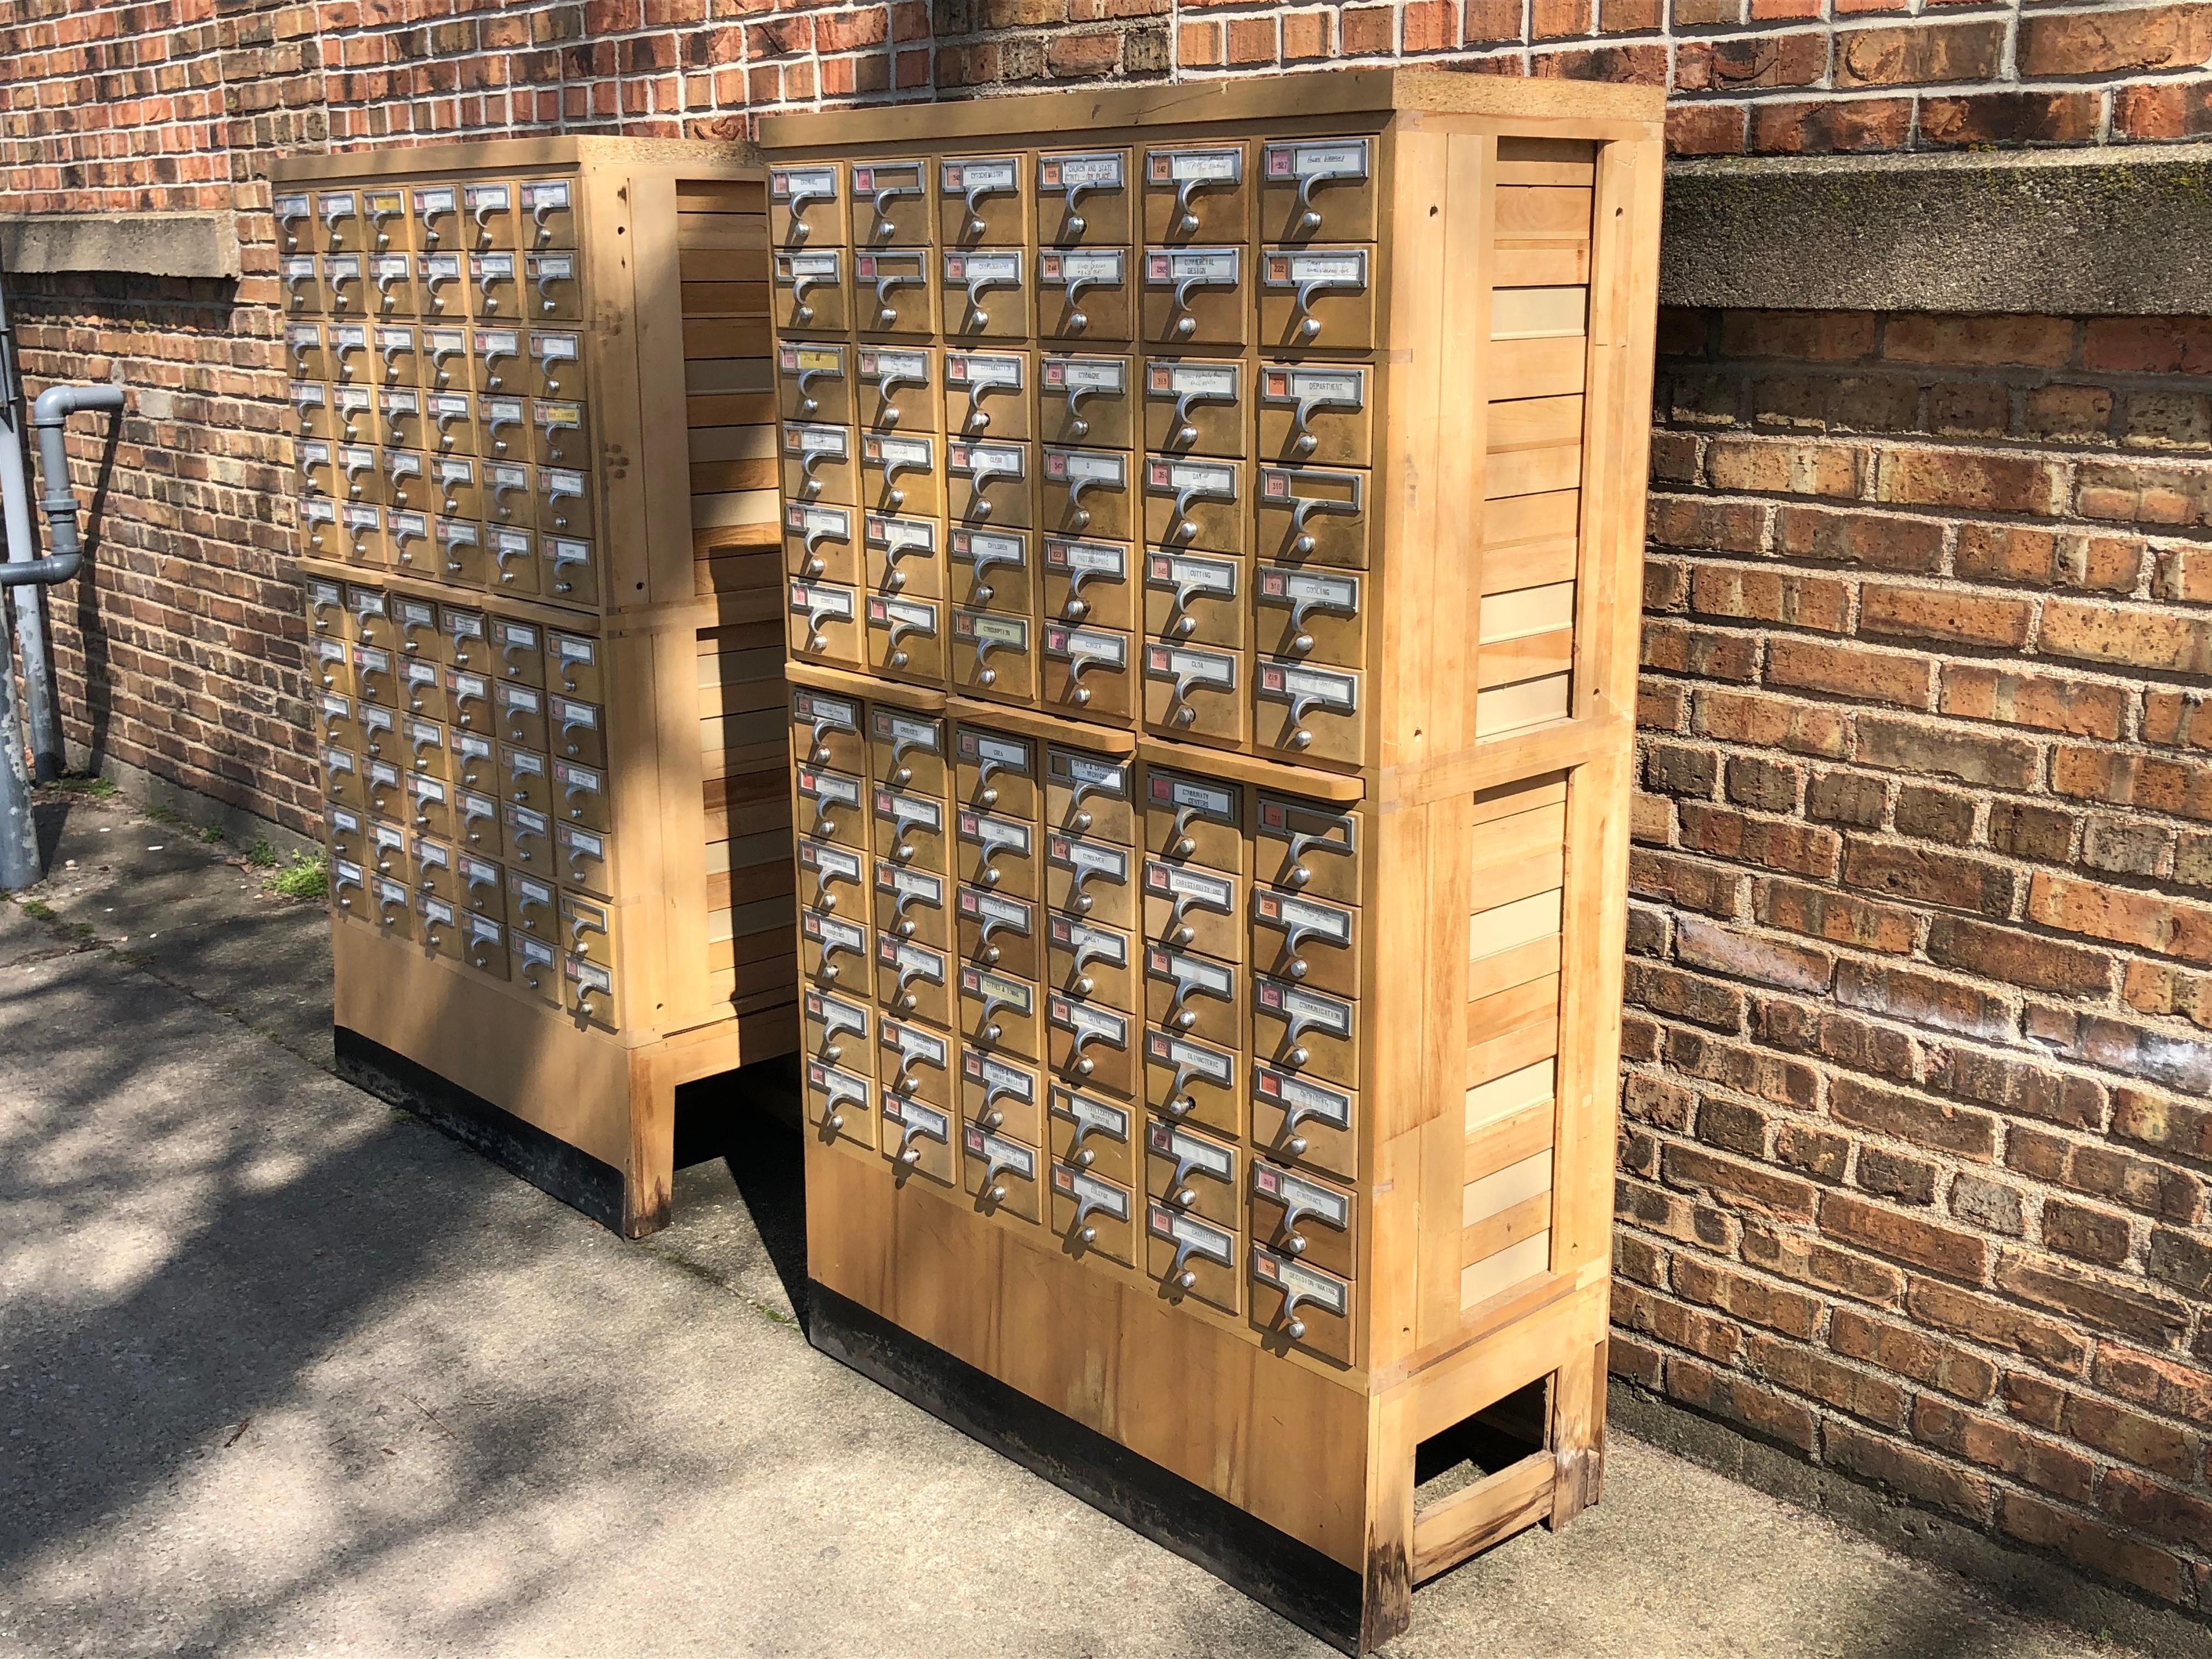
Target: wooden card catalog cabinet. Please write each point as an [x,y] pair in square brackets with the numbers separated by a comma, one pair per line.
[1212,542]
[538,522]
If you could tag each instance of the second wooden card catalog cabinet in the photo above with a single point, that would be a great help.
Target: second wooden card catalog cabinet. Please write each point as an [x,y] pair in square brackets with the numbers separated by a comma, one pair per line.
[537,448]
[1212,527]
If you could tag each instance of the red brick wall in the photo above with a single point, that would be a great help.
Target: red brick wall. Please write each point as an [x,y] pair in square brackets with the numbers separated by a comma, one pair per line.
[1915,1146]
[1914,1177]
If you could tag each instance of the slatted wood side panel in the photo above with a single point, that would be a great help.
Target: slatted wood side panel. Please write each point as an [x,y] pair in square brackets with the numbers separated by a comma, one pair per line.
[722,252]
[1538,362]
[1518,854]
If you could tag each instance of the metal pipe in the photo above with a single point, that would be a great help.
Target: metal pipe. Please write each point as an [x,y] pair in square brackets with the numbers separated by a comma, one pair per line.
[19,833]
[40,714]
[49,416]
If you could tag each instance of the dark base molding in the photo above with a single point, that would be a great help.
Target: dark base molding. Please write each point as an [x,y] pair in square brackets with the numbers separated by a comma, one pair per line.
[1275,1570]
[546,1162]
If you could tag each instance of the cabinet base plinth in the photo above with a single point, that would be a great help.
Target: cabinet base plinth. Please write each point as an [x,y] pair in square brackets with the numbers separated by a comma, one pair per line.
[545,1161]
[1275,1570]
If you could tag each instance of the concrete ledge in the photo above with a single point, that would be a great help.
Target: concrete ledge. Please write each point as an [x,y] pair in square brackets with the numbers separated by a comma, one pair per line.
[132,244]
[2065,232]
[2023,1580]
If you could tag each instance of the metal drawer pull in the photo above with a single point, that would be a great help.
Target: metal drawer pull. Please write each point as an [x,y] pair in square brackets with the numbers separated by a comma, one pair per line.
[1305,505]
[885,313]
[1309,325]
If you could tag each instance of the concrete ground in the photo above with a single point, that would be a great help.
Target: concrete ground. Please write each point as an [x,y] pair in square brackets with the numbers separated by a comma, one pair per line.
[284,1372]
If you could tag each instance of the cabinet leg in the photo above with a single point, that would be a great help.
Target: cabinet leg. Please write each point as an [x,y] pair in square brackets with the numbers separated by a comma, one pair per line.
[648,1183]
[1387,1598]
[1577,1434]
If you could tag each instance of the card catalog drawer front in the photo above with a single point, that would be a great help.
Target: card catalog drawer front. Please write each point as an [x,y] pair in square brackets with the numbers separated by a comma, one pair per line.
[580,795]
[993,570]
[1089,1046]
[827,732]
[994,655]
[495,288]
[548,213]
[838,1030]
[529,839]
[1313,515]
[919,1138]
[578,730]
[1305,1120]
[552,288]
[909,828]
[806,204]
[532,908]
[895,293]
[1000,933]
[907,751]
[571,571]
[1195,297]
[516,570]
[1005,1176]
[1092,961]
[1090,582]
[1003,1095]
[1190,995]
[341,771]
[501,369]
[438,926]
[384,788]
[913,903]
[833,806]
[820,464]
[1317,297]
[900,473]
[1087,492]
[1307,1219]
[483,945]
[814,382]
[914,982]
[1195,597]
[811,293]
[583,858]
[839,1104]
[555,368]
[1197,193]
[998,853]
[373,678]
[1311,615]
[429,807]
[521,715]
[303,340]
[992,483]
[1309,711]
[983,201]
[987,395]
[1089,671]
[410,538]
[1189,1080]
[1195,406]
[891,204]
[823,623]
[996,772]
[1093,1215]
[479,823]
[915,1062]
[1086,401]
[1090,1132]
[905,638]
[1084,198]
[898,390]
[1185,1254]
[392,906]
[821,543]
[1187,906]
[455,489]
[587,929]
[1090,879]
[1305,1033]
[297,231]
[1317,190]
[1190,819]
[488,214]
[1196,692]
[833,951]
[1196,505]
[1089,795]
[1303,847]
[533,966]
[1293,1301]
[999,1013]
[510,496]
[1317,413]
[1193,1172]
[343,284]
[1085,295]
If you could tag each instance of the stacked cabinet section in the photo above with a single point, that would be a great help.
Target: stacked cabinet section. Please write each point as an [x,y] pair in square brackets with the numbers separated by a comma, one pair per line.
[1210,537]
[529,611]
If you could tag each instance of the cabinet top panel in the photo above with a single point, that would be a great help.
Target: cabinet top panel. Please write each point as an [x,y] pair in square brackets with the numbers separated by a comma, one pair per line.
[1334,95]
[550,150]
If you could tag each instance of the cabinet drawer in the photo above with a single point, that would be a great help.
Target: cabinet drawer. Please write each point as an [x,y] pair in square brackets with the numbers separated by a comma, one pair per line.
[994,654]
[997,853]
[1195,597]
[826,731]
[810,291]
[1191,1256]
[1303,1303]
[1190,819]
[1089,582]
[902,556]
[1084,198]
[1086,492]
[1186,1080]
[913,903]
[1196,407]
[989,484]
[825,623]
[1003,1174]
[831,879]
[999,1013]
[806,205]
[895,293]
[899,473]
[987,395]
[812,384]
[1090,961]
[1317,190]
[1306,941]
[1085,295]
[1316,414]
[1187,906]
[915,1062]
[818,463]
[909,828]
[982,199]
[831,806]
[891,204]
[1089,1132]
[1191,995]
[1090,880]
[1309,711]
[993,570]
[905,638]
[1085,400]
[996,772]
[1311,615]
[1303,847]
[1088,1046]
[1093,1215]
[1195,297]
[918,1137]
[818,544]
[1089,670]
[1197,193]
[1089,794]
[1196,504]
[907,751]
[987,294]
[483,945]
[1196,692]
[898,390]
[999,932]
[1304,1218]
[583,858]
[1193,1172]
[839,1104]
[1313,515]
[913,980]
[1002,1096]
[1317,297]
[1305,1033]
[833,951]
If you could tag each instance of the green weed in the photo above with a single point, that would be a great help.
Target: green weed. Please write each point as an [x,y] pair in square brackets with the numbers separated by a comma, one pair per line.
[39,910]
[261,855]
[307,877]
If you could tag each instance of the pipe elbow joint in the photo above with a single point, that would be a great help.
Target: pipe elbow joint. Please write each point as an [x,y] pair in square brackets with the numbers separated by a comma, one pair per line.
[57,404]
